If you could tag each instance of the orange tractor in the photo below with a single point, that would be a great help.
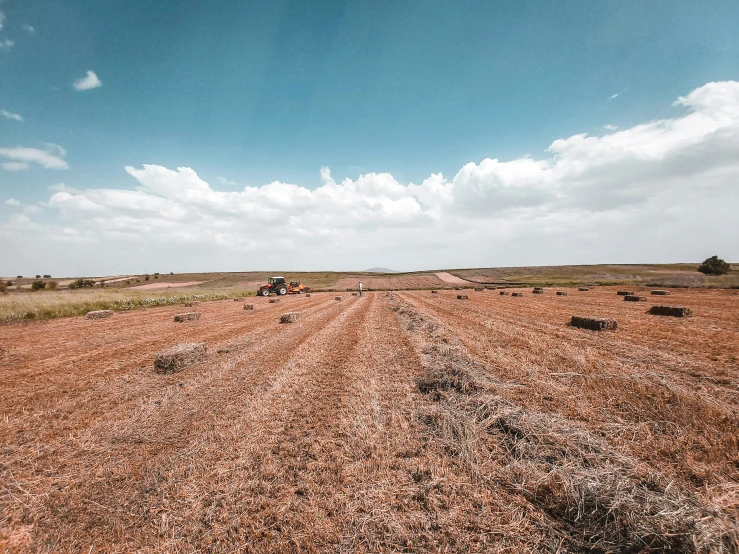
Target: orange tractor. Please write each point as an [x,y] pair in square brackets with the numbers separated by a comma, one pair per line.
[277,285]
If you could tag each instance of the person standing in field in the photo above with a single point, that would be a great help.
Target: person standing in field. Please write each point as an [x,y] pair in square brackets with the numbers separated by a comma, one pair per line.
[360,288]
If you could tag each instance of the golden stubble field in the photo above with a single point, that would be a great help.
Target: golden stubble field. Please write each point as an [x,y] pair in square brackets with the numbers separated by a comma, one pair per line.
[406,421]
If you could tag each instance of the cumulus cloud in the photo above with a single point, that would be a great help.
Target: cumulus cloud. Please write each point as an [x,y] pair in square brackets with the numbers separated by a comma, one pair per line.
[28,29]
[87,82]
[6,45]
[9,115]
[2,20]
[643,193]
[24,156]
[12,202]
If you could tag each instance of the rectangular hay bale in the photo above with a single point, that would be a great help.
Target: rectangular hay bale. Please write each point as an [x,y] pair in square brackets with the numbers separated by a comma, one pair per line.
[462,297]
[517,294]
[307,295]
[290,317]
[594,324]
[99,314]
[634,298]
[187,316]
[191,304]
[478,289]
[338,298]
[274,300]
[178,357]
[673,311]
[661,292]
[434,292]
[583,289]
[625,293]
[538,291]
[248,306]
[238,299]
[504,293]
[561,293]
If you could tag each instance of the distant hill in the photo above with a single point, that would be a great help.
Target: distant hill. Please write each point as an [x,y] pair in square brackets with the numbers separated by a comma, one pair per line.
[380,270]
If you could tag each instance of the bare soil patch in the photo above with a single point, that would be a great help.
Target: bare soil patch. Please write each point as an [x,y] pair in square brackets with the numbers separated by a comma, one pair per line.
[152,286]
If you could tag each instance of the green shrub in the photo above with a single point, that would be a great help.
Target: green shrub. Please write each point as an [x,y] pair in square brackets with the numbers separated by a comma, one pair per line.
[138,280]
[714,266]
[81,283]
[38,285]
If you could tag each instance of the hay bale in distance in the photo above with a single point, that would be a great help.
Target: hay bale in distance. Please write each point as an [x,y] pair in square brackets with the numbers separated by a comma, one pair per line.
[191,304]
[238,299]
[517,294]
[99,314]
[462,297]
[504,293]
[290,317]
[176,358]
[625,293]
[561,293]
[538,290]
[434,292]
[661,292]
[338,298]
[634,298]
[248,306]
[307,295]
[187,316]
[670,311]
[274,300]
[594,324]
[479,289]
[354,294]
[583,289]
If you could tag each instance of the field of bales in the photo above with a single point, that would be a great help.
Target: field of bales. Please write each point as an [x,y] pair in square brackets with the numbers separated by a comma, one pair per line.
[407,421]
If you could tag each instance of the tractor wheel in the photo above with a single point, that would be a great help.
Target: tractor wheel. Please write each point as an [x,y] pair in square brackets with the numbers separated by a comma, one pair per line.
[264,292]
[282,291]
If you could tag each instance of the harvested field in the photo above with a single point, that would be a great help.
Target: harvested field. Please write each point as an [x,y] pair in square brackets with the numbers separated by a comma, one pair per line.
[178,357]
[452,279]
[411,281]
[399,422]
[164,285]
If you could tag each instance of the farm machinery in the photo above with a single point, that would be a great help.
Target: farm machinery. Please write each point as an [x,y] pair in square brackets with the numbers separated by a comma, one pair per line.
[278,285]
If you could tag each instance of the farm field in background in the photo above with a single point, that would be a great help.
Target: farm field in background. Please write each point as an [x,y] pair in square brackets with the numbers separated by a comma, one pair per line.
[398,421]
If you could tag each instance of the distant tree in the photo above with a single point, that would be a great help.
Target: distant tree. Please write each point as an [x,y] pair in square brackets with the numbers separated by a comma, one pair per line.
[38,276]
[38,285]
[47,276]
[19,277]
[52,285]
[714,266]
[171,272]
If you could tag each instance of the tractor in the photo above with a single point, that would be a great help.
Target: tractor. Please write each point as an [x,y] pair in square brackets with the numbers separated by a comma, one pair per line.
[277,285]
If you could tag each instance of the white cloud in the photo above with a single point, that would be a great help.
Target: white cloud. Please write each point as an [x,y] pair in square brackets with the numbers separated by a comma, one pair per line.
[14,166]
[616,95]
[2,20]
[28,29]
[609,127]
[12,202]
[6,45]
[87,82]
[9,115]
[663,190]
[27,156]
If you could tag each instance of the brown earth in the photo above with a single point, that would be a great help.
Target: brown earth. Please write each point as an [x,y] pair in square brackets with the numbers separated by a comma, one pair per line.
[413,281]
[150,286]
[393,422]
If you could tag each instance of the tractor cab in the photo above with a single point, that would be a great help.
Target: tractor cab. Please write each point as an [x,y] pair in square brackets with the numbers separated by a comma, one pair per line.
[275,285]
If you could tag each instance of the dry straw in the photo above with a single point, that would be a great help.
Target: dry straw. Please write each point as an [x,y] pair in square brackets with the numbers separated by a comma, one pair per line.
[670,311]
[178,357]
[188,316]
[99,314]
[594,324]
[290,317]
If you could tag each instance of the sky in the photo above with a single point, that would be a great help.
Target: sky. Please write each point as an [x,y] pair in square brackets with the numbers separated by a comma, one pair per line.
[185,136]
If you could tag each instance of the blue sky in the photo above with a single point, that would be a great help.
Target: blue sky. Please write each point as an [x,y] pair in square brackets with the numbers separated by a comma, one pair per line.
[247,93]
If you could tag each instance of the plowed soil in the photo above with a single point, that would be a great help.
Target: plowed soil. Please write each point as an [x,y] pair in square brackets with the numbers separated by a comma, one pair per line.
[391,283]
[409,422]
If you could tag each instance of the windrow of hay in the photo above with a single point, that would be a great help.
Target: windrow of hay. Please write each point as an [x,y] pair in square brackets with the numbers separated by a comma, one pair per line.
[188,316]
[591,496]
[594,324]
[99,314]
[673,311]
[290,317]
[634,298]
[178,357]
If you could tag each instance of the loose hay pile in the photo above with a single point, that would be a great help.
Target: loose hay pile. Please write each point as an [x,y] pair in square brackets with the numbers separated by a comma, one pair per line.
[290,317]
[670,311]
[274,300]
[178,357]
[661,292]
[594,324]
[248,306]
[561,293]
[188,316]
[625,293]
[99,314]
[461,297]
[634,298]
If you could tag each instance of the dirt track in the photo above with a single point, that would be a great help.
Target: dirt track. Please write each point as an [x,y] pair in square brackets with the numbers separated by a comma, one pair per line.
[314,436]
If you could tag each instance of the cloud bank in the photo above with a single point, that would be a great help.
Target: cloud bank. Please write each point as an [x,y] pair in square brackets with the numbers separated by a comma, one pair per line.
[665,190]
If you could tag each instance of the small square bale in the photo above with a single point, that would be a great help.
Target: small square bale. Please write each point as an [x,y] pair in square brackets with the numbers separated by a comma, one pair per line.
[583,289]
[307,295]
[462,297]
[625,293]
[561,293]
[634,298]
[672,311]
[187,316]
[538,290]
[248,306]
[504,293]
[517,294]
[479,289]
[354,294]
[274,300]
[99,314]
[338,298]
[661,292]
[290,317]
[238,299]
[434,292]
[594,324]
[178,357]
